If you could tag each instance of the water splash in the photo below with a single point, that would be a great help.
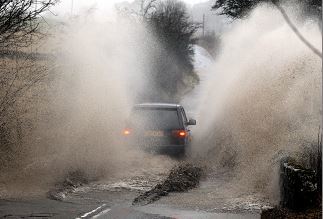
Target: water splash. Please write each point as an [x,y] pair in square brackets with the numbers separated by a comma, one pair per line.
[263,100]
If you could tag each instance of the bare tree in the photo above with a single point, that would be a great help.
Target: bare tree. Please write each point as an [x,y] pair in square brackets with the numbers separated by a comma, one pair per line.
[22,87]
[138,10]
[20,21]
[21,78]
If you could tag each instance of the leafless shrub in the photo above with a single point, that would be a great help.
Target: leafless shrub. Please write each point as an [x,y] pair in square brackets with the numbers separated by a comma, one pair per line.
[21,89]
[20,21]
[20,76]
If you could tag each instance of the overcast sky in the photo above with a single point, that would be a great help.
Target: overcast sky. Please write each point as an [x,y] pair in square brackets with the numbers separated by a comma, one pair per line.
[65,7]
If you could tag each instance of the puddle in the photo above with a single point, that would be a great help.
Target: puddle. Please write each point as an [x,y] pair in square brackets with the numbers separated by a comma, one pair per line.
[190,214]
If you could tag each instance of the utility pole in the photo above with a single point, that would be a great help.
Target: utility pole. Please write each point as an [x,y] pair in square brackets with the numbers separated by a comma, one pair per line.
[203,25]
[72,7]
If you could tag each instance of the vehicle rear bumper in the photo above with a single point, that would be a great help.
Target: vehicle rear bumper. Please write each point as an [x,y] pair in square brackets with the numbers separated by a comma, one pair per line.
[168,149]
[157,148]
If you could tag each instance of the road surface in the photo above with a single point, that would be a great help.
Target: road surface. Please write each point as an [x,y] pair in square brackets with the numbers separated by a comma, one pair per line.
[112,198]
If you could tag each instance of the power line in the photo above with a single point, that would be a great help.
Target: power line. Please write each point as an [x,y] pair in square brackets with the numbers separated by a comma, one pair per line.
[203,27]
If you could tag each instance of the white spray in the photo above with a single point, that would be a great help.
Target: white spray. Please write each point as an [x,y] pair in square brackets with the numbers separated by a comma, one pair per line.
[263,101]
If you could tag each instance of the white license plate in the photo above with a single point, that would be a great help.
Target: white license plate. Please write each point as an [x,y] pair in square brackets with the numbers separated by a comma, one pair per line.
[154,133]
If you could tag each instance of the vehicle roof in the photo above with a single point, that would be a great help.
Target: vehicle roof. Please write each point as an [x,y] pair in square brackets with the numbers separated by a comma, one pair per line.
[157,105]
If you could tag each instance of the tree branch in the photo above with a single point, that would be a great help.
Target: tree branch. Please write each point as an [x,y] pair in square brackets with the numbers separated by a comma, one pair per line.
[296,31]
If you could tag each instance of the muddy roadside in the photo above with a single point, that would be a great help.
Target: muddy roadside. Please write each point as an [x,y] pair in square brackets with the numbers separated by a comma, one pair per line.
[71,182]
[181,178]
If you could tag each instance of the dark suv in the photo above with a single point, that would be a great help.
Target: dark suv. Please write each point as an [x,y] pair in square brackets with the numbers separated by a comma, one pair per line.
[159,127]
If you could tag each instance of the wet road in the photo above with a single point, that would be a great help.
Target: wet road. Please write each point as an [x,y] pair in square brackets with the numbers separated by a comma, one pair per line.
[157,212]
[113,198]
[202,62]
[212,199]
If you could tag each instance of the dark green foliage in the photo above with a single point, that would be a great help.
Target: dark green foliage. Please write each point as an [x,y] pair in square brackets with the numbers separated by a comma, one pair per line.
[171,26]
[235,8]
[240,8]
[298,187]
[301,179]
[317,157]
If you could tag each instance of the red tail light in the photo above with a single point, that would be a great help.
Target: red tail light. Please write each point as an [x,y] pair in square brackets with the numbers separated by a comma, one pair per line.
[179,133]
[126,132]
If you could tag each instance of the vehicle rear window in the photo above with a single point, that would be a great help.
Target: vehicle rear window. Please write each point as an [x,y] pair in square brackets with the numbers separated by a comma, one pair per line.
[155,118]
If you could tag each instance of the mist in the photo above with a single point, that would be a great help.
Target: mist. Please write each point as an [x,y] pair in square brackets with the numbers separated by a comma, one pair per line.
[262,102]
[100,71]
